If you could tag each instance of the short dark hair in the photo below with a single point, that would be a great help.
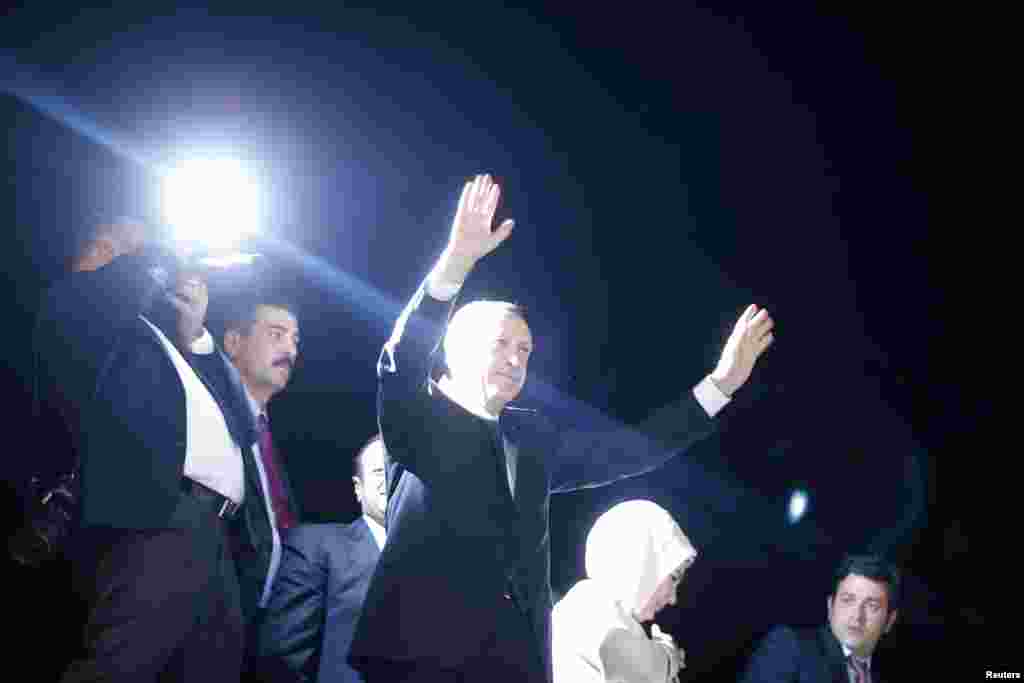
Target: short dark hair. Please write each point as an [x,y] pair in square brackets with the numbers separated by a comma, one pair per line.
[357,459]
[875,567]
[241,314]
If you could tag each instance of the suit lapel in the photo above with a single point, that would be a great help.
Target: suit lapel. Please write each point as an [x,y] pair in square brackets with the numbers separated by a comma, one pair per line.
[368,542]
[834,658]
[517,443]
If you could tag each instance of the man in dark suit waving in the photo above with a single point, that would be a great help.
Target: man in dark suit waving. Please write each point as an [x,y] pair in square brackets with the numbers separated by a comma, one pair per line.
[861,609]
[462,589]
[321,585]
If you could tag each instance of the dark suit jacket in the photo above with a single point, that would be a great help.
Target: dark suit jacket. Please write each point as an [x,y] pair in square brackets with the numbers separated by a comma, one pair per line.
[253,543]
[79,321]
[316,600]
[808,655]
[130,430]
[457,541]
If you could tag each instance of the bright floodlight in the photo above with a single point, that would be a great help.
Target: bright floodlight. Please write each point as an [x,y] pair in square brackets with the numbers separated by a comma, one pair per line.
[797,506]
[213,202]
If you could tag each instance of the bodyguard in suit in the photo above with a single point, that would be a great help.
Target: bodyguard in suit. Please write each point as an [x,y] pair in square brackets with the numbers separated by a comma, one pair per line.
[462,589]
[162,475]
[861,609]
[261,340]
[322,582]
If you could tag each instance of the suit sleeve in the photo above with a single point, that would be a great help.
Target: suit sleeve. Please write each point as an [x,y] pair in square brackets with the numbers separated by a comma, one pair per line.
[600,456]
[776,658]
[291,636]
[77,327]
[405,408]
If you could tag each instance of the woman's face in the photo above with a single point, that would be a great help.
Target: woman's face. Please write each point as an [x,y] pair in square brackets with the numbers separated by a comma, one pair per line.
[664,594]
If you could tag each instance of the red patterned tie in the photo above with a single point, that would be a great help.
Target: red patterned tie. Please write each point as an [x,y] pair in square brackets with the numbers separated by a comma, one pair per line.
[278,496]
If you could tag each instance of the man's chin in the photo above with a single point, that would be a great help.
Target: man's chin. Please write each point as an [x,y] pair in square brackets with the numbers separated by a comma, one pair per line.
[854,642]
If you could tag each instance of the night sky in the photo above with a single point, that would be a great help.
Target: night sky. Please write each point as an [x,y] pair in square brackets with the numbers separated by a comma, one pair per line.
[665,168]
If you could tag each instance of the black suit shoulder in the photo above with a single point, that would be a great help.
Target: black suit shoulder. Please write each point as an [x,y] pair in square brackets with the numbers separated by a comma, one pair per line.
[796,655]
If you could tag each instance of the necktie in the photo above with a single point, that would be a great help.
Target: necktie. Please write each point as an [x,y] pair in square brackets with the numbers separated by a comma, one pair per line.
[858,670]
[277,494]
[504,472]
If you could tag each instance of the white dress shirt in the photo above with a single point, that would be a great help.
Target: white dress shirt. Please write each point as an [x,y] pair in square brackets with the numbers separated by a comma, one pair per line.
[866,661]
[212,457]
[379,535]
[203,346]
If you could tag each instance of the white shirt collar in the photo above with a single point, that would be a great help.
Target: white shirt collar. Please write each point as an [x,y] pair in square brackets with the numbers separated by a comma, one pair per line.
[847,652]
[254,405]
[448,389]
[377,530]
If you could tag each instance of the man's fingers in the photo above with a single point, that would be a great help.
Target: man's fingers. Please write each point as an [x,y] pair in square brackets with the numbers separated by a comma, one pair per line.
[503,231]
[483,189]
[761,325]
[765,342]
[760,317]
[492,199]
[744,320]
[467,191]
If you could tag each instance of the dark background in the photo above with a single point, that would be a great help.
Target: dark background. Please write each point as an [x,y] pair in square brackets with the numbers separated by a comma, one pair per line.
[665,167]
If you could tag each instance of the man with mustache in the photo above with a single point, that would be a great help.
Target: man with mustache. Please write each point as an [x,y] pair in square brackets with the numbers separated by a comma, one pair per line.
[462,590]
[862,608]
[261,339]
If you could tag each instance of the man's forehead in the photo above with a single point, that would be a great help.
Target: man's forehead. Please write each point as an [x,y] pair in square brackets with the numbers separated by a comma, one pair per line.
[373,455]
[275,315]
[864,587]
[487,325]
[513,325]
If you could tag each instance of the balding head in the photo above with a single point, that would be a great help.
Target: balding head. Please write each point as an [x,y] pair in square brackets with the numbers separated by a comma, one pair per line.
[487,347]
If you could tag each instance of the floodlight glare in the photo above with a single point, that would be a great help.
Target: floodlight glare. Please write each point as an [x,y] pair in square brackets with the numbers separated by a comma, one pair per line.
[212,202]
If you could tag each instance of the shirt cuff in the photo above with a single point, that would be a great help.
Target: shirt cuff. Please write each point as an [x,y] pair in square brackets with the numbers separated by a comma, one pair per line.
[203,346]
[440,290]
[710,397]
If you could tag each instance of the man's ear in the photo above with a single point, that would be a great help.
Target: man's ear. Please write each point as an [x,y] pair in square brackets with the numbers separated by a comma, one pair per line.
[105,249]
[232,339]
[892,620]
[356,487]
[97,254]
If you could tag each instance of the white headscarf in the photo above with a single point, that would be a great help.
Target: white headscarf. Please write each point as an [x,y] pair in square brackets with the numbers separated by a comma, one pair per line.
[632,547]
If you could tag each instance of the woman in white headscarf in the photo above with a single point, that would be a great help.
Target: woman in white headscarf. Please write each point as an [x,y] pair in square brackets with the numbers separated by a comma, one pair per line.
[636,557]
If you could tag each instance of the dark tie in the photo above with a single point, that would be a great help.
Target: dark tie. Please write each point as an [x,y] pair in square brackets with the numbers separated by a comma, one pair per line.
[499,451]
[858,670]
[278,496]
